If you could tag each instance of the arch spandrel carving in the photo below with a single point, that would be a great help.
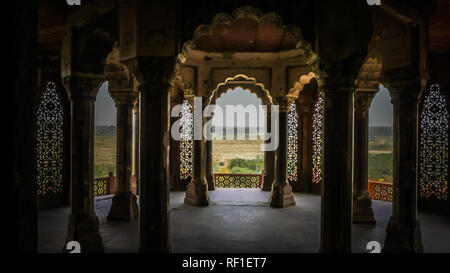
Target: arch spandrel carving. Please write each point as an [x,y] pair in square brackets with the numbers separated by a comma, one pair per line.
[370,74]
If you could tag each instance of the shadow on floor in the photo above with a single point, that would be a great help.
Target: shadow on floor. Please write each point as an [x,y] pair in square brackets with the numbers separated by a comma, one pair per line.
[239,221]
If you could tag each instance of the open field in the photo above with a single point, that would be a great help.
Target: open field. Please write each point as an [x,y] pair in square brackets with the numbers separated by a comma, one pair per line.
[226,150]
[380,155]
[104,155]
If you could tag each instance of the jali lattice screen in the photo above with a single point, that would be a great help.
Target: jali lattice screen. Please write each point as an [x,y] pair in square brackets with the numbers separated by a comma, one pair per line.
[186,142]
[317,140]
[49,142]
[433,152]
[292,144]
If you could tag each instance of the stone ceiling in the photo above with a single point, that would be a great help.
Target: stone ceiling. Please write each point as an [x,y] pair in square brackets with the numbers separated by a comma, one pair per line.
[439,28]
[245,29]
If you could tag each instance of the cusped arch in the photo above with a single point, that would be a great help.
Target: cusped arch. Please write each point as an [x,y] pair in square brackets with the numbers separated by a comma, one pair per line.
[300,84]
[248,29]
[245,82]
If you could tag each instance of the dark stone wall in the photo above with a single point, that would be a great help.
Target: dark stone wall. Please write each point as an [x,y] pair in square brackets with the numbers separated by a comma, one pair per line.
[21,187]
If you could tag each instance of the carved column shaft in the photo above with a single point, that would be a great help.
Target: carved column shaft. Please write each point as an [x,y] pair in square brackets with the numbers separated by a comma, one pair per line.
[269,158]
[136,145]
[362,204]
[209,165]
[336,220]
[153,75]
[281,194]
[124,205]
[403,231]
[83,223]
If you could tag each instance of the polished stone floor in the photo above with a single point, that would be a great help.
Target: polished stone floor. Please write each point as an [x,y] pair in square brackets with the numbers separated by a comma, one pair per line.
[239,221]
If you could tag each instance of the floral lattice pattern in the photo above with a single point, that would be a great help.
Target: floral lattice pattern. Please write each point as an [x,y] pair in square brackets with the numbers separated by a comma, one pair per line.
[317,141]
[433,153]
[292,143]
[49,142]
[187,140]
[238,180]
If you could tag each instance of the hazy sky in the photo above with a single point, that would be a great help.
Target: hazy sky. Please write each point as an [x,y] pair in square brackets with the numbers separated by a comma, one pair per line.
[381,110]
[105,109]
[380,113]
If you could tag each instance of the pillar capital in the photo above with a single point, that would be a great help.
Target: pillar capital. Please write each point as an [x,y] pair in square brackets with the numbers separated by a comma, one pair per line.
[124,97]
[152,72]
[120,87]
[362,100]
[82,88]
[403,84]
[283,103]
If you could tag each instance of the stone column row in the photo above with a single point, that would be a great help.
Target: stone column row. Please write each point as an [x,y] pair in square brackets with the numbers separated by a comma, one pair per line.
[197,189]
[269,157]
[281,195]
[362,204]
[153,75]
[83,224]
[136,144]
[124,203]
[336,209]
[403,231]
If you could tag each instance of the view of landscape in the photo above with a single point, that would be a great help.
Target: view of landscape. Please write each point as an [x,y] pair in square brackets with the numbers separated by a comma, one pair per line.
[245,156]
[380,153]
[238,156]
[104,150]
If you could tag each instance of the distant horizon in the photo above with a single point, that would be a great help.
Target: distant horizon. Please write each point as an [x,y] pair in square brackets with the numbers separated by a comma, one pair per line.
[380,111]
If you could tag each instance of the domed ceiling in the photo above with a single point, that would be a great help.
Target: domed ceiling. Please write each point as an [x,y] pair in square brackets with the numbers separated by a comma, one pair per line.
[247,29]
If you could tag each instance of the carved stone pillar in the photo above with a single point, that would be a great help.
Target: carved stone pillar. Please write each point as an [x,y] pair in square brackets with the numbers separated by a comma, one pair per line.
[209,166]
[336,215]
[83,223]
[153,75]
[136,144]
[281,195]
[362,204]
[197,189]
[124,205]
[403,231]
[305,109]
[269,158]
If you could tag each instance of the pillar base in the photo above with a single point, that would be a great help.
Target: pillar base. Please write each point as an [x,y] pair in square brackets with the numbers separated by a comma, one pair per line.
[85,230]
[124,207]
[197,193]
[211,184]
[281,196]
[362,211]
[266,186]
[401,239]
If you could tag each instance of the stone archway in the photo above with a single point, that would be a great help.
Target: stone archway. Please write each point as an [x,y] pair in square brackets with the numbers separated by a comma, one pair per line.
[226,47]
[258,89]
